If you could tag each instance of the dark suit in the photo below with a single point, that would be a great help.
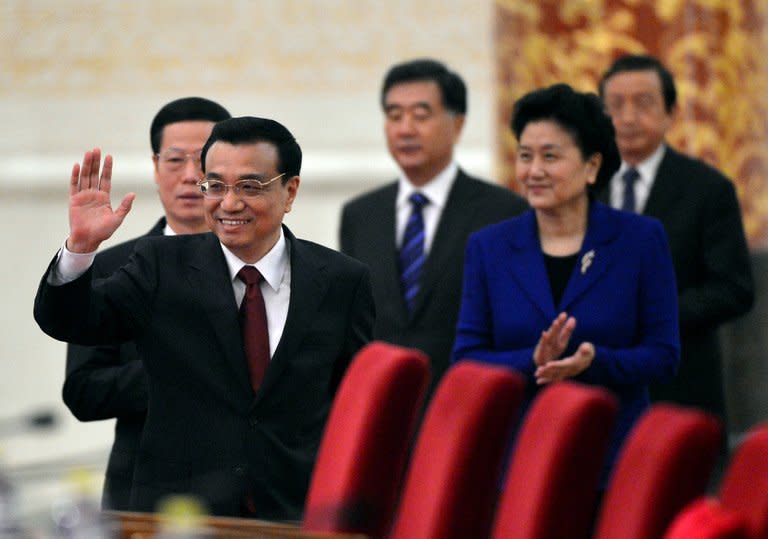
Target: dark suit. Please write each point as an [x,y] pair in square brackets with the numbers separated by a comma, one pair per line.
[106,382]
[700,212]
[621,293]
[206,432]
[368,234]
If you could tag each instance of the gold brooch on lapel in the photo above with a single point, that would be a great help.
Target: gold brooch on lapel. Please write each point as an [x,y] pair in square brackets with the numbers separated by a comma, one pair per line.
[586,260]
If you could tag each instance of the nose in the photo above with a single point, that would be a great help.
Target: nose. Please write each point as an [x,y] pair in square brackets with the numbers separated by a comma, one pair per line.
[192,171]
[627,113]
[406,125]
[231,202]
[536,167]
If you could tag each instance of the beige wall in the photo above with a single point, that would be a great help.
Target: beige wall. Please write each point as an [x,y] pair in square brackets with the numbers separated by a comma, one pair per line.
[86,73]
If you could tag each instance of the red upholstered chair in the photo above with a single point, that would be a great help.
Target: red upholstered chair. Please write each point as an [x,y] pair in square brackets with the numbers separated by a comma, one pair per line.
[706,518]
[745,485]
[551,485]
[665,463]
[452,480]
[742,507]
[362,456]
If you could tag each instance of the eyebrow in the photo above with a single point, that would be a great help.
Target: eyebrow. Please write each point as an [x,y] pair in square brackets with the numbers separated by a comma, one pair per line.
[247,176]
[177,149]
[545,147]
[256,176]
[398,106]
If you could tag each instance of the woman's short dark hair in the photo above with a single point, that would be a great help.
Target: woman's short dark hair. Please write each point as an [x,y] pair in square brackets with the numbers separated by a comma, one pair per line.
[250,130]
[581,115]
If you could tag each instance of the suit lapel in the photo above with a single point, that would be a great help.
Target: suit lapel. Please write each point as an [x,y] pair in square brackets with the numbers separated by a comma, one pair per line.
[666,189]
[595,255]
[209,278]
[383,246]
[308,286]
[158,229]
[524,262]
[449,236]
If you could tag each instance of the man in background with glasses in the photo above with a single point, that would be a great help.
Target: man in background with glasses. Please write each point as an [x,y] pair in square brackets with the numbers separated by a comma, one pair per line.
[105,382]
[245,333]
[700,212]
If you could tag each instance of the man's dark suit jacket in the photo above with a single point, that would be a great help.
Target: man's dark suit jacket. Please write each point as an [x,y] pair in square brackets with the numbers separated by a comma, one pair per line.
[700,212]
[206,432]
[109,382]
[368,233]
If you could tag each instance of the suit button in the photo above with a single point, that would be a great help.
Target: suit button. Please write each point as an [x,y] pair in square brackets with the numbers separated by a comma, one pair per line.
[239,471]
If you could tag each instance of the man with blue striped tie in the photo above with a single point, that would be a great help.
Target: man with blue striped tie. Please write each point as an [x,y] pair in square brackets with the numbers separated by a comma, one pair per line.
[412,232]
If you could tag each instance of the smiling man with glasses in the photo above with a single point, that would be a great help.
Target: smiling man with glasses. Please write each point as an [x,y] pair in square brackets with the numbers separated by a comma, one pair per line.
[105,382]
[245,333]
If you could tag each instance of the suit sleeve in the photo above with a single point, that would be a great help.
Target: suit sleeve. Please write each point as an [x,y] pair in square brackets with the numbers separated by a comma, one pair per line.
[360,327]
[655,353]
[104,382]
[474,332]
[91,311]
[726,290]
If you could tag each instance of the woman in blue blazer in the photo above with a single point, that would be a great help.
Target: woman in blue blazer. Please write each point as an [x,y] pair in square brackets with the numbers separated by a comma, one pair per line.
[571,289]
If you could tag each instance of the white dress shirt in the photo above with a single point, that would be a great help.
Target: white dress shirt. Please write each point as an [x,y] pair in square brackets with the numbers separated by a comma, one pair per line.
[647,170]
[436,190]
[274,266]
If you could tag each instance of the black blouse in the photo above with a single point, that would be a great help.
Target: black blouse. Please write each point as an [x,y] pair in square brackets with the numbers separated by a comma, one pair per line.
[559,269]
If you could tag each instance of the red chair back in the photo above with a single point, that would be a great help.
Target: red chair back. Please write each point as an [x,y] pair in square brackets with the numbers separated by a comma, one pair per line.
[453,477]
[362,456]
[551,485]
[745,484]
[664,464]
[706,518]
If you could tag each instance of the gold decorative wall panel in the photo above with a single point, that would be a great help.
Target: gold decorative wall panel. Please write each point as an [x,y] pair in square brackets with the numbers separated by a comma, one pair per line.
[716,49]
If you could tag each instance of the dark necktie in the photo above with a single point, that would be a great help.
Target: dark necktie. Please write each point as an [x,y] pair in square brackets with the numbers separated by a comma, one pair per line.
[412,250]
[253,317]
[630,176]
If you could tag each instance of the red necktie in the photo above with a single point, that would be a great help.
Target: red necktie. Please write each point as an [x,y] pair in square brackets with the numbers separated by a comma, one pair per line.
[254,325]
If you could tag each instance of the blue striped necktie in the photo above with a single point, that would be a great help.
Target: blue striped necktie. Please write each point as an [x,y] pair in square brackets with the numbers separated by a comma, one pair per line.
[412,251]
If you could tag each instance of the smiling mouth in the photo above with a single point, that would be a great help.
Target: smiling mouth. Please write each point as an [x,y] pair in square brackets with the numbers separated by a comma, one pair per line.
[234,222]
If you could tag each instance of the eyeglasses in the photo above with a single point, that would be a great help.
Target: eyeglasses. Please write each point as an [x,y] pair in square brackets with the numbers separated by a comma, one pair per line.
[243,188]
[176,159]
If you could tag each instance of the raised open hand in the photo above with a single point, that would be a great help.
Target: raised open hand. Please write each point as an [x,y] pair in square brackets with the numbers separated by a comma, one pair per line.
[91,218]
[554,340]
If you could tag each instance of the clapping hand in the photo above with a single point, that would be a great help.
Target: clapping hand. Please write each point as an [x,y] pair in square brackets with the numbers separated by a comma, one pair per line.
[568,367]
[554,340]
[552,344]
[91,218]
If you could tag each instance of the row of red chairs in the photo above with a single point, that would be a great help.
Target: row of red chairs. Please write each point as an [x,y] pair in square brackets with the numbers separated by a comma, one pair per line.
[365,482]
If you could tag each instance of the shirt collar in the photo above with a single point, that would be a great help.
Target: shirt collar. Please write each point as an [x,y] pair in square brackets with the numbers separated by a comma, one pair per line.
[271,266]
[436,189]
[647,168]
